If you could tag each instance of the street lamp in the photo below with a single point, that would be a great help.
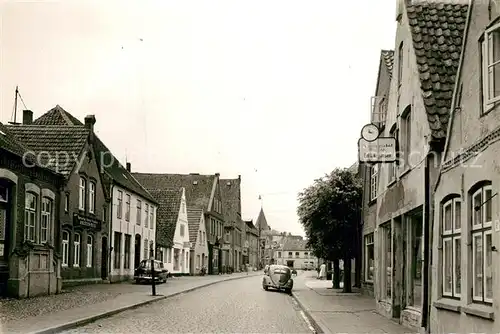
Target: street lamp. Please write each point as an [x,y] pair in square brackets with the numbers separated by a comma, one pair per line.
[153,284]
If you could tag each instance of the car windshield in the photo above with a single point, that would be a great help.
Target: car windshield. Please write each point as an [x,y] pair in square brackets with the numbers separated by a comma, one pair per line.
[280,269]
[147,264]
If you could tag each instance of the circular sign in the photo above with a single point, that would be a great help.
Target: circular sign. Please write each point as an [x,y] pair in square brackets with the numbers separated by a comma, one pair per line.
[370,132]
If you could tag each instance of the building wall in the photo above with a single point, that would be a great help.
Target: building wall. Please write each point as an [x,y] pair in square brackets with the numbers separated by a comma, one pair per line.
[200,250]
[130,232]
[32,270]
[181,247]
[305,259]
[85,272]
[397,199]
[474,133]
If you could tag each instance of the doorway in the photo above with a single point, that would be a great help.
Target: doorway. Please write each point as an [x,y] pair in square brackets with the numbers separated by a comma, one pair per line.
[104,258]
[5,211]
[289,263]
[137,250]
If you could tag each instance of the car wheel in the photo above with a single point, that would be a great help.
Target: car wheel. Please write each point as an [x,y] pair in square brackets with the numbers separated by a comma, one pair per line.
[289,291]
[265,287]
[137,281]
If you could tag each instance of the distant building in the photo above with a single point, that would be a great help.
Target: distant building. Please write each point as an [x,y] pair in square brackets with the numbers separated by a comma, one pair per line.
[294,253]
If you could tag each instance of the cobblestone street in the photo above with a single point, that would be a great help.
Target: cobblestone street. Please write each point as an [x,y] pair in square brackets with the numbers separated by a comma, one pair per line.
[239,306]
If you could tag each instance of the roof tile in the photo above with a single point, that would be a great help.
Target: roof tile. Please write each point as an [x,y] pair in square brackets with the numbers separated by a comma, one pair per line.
[231,201]
[437,31]
[194,219]
[169,204]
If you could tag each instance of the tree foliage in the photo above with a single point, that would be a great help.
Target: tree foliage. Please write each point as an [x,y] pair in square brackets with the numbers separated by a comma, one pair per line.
[330,210]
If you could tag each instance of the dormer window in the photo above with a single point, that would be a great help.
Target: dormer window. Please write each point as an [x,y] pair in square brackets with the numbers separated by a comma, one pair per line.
[406,133]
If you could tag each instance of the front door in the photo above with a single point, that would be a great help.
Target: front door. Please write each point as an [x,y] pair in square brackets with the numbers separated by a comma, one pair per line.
[104,258]
[5,210]
[137,250]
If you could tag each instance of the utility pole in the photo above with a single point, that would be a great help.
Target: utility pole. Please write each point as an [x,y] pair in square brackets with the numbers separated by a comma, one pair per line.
[153,284]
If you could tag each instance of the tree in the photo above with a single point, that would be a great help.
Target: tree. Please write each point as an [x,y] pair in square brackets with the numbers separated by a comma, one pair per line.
[330,212]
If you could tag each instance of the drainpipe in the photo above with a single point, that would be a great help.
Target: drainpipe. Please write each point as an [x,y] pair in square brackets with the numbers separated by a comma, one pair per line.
[427,243]
[110,232]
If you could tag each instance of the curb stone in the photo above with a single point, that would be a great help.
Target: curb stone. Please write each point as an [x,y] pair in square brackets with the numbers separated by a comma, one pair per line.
[93,318]
[319,327]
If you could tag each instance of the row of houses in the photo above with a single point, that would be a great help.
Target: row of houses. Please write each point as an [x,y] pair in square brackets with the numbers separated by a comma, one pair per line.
[431,219]
[71,213]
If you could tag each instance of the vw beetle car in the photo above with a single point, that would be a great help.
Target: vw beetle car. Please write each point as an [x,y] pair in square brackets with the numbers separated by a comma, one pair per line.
[278,277]
[143,272]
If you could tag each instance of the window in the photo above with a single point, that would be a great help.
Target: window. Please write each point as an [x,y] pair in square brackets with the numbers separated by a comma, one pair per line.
[200,238]
[387,261]
[373,182]
[139,212]
[127,207]
[4,194]
[226,237]
[392,167]
[369,258]
[128,241]
[481,214]
[452,242]
[90,254]
[76,250]
[92,197]
[406,132]
[65,248]
[198,261]
[146,250]
[147,215]
[204,237]
[297,255]
[119,207]
[414,224]
[46,220]
[290,254]
[117,250]
[182,230]
[83,193]
[279,254]
[151,217]
[30,217]
[491,66]
[66,203]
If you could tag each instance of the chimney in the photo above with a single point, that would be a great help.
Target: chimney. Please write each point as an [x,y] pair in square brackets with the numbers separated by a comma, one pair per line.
[27,117]
[128,167]
[89,124]
[239,177]
[217,174]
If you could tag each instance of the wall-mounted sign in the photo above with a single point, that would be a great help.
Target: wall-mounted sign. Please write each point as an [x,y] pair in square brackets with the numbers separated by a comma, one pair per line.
[380,150]
[79,220]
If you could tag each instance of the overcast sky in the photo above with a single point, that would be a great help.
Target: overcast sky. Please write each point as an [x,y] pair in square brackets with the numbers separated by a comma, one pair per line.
[276,91]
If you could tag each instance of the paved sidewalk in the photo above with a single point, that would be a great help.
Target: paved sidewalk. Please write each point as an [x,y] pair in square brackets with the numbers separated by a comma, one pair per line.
[80,305]
[337,312]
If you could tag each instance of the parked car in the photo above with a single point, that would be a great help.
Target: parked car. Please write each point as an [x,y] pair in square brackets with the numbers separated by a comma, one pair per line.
[278,277]
[143,272]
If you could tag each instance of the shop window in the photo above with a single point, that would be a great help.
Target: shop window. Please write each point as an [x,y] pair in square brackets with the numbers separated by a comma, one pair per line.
[65,248]
[414,224]
[369,258]
[76,250]
[387,261]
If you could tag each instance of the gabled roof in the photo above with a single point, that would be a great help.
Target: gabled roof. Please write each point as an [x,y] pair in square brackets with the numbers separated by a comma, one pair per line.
[294,244]
[437,30]
[10,144]
[58,146]
[198,187]
[169,205]
[57,116]
[230,193]
[261,223]
[387,56]
[194,219]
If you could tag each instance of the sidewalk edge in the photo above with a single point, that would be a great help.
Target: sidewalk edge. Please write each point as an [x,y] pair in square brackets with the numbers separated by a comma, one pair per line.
[318,325]
[92,318]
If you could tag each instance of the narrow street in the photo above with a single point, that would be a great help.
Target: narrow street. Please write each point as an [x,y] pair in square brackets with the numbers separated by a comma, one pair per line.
[239,306]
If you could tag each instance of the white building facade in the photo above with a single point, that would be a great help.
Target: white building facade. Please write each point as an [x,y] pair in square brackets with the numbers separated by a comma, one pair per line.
[176,259]
[133,228]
